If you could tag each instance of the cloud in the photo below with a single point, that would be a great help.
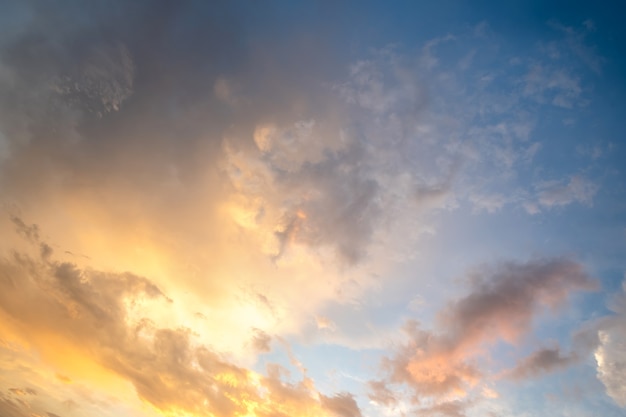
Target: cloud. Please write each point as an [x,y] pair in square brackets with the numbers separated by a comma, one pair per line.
[218,181]
[490,203]
[341,405]
[22,402]
[99,315]
[30,232]
[335,182]
[23,391]
[555,193]
[325,323]
[11,408]
[577,43]
[442,364]
[261,341]
[609,354]
[103,81]
[141,154]
[542,361]
[436,196]
[450,409]
[382,85]
[554,85]
[379,392]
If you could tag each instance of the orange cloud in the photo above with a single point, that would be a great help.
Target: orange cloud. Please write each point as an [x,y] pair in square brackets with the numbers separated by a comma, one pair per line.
[79,320]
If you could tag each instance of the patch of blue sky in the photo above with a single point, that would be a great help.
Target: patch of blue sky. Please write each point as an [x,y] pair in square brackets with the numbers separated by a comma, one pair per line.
[334,368]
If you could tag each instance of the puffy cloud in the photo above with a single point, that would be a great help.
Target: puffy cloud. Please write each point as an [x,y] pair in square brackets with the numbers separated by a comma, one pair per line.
[610,354]
[144,139]
[442,365]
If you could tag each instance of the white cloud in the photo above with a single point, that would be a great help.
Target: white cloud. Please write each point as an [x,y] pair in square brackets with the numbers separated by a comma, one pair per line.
[610,353]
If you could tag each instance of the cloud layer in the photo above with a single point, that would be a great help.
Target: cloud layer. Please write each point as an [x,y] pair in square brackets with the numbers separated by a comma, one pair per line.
[228,210]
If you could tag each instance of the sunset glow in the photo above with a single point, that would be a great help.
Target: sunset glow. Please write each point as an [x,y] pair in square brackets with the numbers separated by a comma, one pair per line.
[324,209]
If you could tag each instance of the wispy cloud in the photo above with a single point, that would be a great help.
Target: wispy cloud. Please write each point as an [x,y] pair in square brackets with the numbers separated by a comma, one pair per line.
[558,193]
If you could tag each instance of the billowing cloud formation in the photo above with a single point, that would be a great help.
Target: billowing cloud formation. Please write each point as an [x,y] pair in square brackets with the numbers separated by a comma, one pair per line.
[233,191]
[98,315]
[194,194]
[501,306]
[172,163]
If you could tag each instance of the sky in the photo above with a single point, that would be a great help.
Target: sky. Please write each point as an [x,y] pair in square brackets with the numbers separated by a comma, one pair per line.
[333,209]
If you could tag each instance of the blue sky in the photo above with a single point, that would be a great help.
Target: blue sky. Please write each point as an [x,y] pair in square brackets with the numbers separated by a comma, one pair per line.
[348,209]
